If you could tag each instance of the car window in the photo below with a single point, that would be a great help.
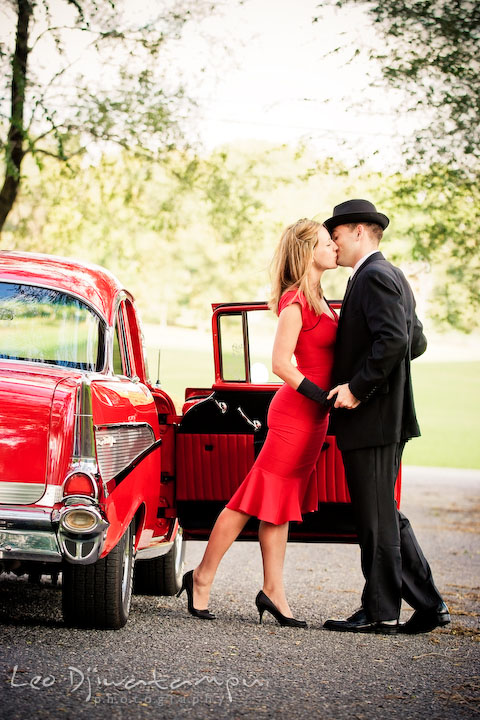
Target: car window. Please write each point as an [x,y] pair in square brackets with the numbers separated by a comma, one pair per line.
[246,341]
[232,345]
[44,325]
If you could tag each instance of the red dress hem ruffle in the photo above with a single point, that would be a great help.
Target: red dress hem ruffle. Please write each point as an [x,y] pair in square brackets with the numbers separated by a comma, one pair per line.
[268,497]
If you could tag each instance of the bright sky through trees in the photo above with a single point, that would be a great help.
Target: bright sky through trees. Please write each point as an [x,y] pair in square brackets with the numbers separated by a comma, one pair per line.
[282,83]
[261,69]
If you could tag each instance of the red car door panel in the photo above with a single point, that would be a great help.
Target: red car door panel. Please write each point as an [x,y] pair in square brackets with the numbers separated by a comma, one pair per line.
[219,436]
[210,466]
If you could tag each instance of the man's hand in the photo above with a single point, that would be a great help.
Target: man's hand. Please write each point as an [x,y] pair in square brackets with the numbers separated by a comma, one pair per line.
[345,399]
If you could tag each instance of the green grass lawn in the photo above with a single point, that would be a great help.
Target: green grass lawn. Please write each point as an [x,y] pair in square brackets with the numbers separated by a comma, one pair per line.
[181,368]
[447,398]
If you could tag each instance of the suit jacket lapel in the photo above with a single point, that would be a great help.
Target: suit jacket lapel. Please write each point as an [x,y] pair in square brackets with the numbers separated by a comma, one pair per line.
[352,280]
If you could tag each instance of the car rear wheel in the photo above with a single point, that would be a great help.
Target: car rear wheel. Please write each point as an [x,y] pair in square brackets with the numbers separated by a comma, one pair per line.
[163,575]
[98,595]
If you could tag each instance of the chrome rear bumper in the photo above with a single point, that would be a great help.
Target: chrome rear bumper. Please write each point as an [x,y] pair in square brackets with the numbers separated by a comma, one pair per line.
[41,535]
[28,534]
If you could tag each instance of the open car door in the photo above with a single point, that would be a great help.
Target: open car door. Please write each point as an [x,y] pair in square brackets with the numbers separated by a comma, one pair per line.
[221,433]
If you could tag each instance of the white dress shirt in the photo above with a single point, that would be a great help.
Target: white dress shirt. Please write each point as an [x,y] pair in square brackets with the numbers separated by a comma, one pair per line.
[361,261]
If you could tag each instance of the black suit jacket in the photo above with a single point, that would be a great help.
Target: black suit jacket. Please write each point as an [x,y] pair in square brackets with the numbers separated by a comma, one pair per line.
[378,335]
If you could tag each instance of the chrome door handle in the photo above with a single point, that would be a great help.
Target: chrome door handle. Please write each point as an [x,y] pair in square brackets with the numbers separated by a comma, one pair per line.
[222,406]
[256,424]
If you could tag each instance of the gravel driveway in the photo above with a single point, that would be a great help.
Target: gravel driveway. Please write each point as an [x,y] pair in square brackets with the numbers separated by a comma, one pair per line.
[165,664]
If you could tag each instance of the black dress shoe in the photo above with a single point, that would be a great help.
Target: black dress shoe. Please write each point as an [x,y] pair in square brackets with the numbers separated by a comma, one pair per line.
[423,621]
[359,623]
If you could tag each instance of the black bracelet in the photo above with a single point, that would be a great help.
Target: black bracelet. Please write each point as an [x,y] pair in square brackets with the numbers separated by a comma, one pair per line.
[315,392]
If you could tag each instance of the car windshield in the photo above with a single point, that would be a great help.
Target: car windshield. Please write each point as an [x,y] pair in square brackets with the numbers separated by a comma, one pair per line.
[42,325]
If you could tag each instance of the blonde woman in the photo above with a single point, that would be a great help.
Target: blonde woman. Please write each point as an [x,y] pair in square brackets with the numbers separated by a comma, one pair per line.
[281,484]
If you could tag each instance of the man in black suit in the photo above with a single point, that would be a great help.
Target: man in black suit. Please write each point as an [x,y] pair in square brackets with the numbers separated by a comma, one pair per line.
[378,335]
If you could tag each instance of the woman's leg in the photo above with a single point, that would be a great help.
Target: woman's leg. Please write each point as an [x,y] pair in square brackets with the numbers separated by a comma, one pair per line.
[273,543]
[227,528]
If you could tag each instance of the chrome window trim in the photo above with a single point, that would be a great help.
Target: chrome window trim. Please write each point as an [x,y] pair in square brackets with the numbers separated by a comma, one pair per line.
[142,343]
[120,320]
[246,350]
[119,298]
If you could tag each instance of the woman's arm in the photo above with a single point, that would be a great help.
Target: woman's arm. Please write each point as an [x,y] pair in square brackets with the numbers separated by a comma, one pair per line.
[288,330]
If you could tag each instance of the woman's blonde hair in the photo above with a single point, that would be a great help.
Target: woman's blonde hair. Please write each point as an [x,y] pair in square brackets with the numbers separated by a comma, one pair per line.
[291,263]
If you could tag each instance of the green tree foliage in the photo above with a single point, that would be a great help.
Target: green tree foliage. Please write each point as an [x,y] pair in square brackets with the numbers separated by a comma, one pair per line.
[77,72]
[180,236]
[440,212]
[430,49]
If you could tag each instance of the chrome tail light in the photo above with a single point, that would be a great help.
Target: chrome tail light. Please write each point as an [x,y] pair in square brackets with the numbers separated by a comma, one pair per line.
[81,530]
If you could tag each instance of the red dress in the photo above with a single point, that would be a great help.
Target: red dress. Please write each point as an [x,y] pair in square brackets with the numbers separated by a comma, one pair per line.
[282,483]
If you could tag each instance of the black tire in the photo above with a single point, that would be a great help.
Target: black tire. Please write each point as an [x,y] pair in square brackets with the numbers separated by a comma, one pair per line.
[163,575]
[98,595]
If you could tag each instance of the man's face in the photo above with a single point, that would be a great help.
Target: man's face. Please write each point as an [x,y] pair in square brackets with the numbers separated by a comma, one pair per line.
[346,241]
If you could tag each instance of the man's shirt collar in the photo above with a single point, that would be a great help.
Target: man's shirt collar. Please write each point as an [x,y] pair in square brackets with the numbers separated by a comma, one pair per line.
[361,261]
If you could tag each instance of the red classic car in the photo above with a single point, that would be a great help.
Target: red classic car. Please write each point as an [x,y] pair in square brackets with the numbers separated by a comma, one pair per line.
[98,471]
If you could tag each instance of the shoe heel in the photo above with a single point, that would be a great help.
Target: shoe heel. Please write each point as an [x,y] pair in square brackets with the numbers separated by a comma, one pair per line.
[181,590]
[260,607]
[264,603]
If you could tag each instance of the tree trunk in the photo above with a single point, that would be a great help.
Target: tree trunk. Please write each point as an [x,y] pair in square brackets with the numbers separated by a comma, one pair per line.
[15,151]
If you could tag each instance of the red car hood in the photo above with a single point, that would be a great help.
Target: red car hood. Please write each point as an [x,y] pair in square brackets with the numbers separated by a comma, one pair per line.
[26,395]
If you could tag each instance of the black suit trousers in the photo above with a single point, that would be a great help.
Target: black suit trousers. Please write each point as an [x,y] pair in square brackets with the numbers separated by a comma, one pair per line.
[393,563]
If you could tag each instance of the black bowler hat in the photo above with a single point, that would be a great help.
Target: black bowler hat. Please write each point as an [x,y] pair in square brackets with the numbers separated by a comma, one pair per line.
[353,211]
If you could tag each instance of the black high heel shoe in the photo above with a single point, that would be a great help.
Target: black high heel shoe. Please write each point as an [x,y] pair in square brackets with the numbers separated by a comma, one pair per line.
[264,603]
[187,584]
